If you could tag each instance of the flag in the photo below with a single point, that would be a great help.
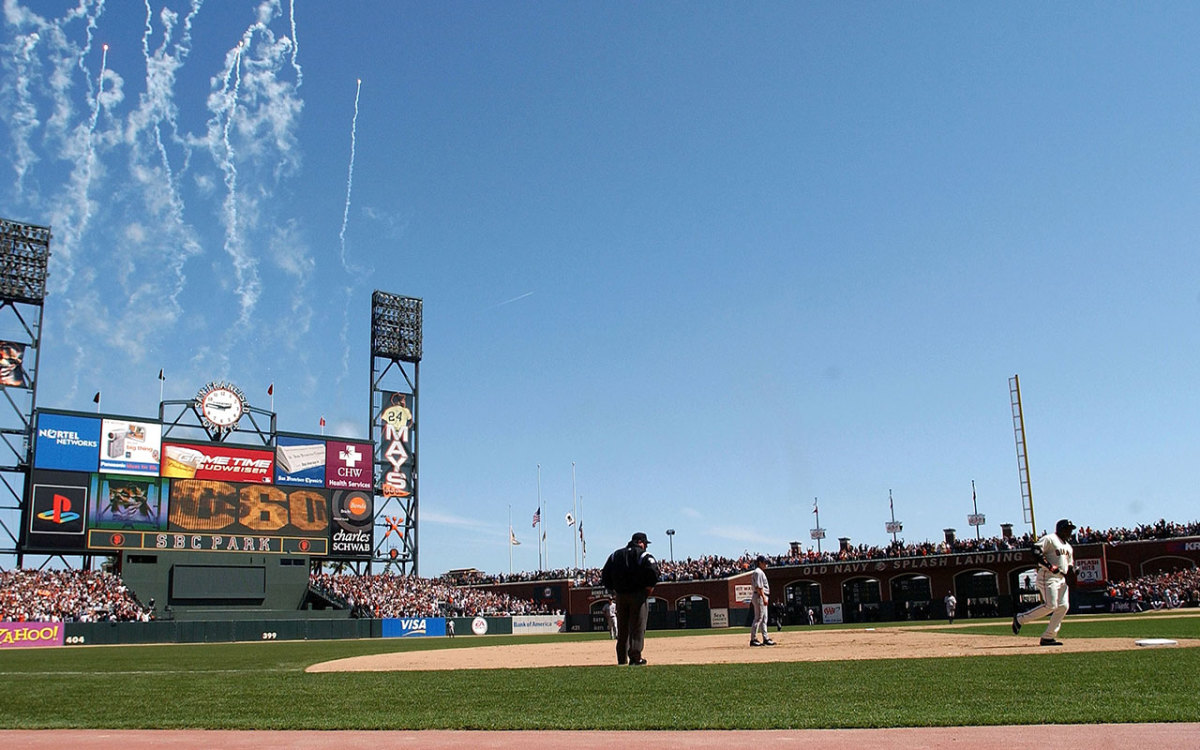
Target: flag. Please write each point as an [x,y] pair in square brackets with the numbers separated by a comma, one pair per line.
[814,505]
[96,398]
[570,520]
[271,389]
[160,375]
[537,517]
[512,538]
[322,421]
[582,541]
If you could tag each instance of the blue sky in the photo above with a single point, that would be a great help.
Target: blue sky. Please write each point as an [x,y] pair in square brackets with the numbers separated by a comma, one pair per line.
[725,258]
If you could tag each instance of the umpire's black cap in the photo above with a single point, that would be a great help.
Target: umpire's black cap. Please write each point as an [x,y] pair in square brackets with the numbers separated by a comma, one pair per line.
[639,537]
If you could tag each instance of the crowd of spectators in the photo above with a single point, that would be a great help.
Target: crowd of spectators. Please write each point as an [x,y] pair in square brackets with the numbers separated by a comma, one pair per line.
[411,596]
[712,566]
[1168,590]
[98,596]
[67,596]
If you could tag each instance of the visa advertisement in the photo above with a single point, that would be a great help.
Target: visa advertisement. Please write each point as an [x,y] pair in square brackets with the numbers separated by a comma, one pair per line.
[130,447]
[218,462]
[66,442]
[413,627]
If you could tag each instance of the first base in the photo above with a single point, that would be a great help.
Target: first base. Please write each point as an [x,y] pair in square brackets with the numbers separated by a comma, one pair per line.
[1156,642]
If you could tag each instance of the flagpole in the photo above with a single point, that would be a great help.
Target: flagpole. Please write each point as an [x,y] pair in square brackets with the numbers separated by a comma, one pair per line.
[582,540]
[161,381]
[541,540]
[575,507]
[510,538]
[817,511]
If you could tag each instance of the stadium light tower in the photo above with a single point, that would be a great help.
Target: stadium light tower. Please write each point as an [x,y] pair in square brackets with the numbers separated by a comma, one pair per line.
[393,424]
[24,257]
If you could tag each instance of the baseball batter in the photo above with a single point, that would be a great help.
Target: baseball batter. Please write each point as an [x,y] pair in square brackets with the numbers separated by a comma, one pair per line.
[761,596]
[1056,562]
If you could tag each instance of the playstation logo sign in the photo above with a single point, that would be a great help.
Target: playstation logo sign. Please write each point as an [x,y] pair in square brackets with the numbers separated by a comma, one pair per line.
[57,509]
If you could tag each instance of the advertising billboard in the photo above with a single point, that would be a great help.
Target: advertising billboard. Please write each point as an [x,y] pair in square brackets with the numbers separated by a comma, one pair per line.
[300,461]
[348,465]
[66,442]
[395,447]
[218,462]
[30,634]
[12,370]
[207,508]
[352,523]
[130,447]
[56,511]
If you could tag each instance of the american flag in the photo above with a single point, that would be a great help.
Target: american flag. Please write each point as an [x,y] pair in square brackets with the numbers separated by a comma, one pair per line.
[537,517]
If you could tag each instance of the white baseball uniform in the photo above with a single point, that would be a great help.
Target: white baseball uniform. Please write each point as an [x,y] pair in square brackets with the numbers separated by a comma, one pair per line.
[761,595]
[1052,584]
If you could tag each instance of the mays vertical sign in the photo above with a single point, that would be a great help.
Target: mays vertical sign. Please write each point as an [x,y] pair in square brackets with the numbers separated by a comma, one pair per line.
[395,449]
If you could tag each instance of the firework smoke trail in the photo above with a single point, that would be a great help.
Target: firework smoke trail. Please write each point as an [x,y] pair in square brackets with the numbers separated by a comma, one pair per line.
[24,119]
[243,265]
[350,271]
[350,173]
[296,46]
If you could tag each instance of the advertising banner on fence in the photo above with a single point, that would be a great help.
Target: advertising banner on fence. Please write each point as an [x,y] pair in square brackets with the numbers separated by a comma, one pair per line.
[1091,570]
[300,461]
[57,510]
[249,511]
[66,442]
[831,613]
[210,461]
[529,624]
[348,465]
[352,523]
[30,634]
[130,447]
[413,627]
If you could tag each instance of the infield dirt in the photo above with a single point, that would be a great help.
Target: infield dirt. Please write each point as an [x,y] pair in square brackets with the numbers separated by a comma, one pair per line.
[886,642]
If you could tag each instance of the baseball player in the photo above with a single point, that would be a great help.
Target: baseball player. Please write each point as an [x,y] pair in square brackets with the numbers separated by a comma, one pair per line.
[761,596]
[951,606]
[1056,563]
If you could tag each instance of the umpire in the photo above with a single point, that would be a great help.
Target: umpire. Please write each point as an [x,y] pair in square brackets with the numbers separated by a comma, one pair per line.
[631,572]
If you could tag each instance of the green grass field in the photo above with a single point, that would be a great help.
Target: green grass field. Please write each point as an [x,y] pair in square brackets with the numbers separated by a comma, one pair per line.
[264,686]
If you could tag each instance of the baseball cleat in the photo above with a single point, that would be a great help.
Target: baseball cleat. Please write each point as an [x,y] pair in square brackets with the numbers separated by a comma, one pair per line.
[1016,626]
[1049,642]
[638,663]
[755,643]
[768,642]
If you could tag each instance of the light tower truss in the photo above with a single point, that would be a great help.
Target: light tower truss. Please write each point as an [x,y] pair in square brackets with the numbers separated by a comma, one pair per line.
[24,257]
[394,422]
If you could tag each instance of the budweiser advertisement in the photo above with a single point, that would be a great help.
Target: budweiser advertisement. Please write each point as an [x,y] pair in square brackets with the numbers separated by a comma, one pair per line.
[219,462]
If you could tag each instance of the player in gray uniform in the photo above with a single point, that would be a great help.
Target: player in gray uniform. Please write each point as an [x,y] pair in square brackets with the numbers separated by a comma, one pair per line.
[1056,563]
[760,597]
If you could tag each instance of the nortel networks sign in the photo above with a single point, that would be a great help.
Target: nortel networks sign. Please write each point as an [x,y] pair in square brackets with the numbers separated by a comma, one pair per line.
[67,443]
[413,627]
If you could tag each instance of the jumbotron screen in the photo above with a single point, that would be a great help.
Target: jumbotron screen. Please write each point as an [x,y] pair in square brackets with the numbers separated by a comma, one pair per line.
[106,483]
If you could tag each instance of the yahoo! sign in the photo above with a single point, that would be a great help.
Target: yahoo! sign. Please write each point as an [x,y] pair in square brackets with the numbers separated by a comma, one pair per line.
[30,634]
